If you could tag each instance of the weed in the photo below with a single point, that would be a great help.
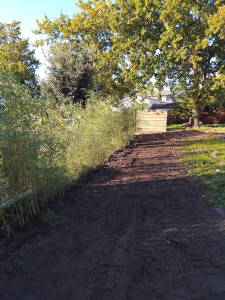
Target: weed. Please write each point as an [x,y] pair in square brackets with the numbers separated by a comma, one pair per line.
[48,217]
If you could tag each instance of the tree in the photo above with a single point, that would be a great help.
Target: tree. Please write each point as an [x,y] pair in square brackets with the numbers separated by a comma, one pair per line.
[70,74]
[216,26]
[116,36]
[15,55]
[136,40]
[190,57]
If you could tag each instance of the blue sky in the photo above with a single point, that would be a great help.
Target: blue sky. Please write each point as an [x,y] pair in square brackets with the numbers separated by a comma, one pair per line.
[27,11]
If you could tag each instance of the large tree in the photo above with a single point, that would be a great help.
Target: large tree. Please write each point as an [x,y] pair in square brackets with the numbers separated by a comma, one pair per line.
[117,37]
[16,56]
[174,41]
[190,57]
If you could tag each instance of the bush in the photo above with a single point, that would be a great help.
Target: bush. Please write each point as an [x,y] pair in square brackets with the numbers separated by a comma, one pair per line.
[42,152]
[213,117]
[177,116]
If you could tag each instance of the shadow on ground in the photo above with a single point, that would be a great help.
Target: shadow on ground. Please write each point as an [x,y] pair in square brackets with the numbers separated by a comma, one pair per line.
[137,230]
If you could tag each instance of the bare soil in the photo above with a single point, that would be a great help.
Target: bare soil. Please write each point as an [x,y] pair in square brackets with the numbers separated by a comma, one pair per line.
[136,228]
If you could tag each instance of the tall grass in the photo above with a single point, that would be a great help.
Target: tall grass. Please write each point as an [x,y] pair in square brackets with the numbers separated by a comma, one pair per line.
[41,153]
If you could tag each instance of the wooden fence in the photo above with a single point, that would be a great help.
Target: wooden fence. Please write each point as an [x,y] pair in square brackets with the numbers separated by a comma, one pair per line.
[151,122]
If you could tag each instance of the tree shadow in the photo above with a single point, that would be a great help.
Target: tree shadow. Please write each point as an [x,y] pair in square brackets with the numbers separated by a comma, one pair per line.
[131,233]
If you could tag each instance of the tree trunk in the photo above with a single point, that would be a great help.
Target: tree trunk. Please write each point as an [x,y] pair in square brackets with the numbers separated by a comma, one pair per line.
[195,116]
[196,96]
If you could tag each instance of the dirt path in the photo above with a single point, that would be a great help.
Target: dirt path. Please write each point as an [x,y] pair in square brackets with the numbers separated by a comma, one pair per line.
[137,230]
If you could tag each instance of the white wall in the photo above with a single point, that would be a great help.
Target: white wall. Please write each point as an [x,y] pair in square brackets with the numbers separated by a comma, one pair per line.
[149,99]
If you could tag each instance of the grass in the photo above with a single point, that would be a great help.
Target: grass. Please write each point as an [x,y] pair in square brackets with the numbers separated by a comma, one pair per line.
[213,128]
[204,159]
[174,127]
[209,127]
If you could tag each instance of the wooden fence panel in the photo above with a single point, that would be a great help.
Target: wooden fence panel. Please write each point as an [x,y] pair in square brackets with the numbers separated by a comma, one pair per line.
[151,122]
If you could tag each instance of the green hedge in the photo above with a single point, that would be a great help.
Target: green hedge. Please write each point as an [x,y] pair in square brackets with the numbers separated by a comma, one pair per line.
[43,149]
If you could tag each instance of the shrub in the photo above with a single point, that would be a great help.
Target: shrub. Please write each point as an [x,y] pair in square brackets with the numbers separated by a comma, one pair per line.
[213,117]
[42,152]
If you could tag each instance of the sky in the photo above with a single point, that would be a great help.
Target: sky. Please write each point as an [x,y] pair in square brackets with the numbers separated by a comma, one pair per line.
[27,11]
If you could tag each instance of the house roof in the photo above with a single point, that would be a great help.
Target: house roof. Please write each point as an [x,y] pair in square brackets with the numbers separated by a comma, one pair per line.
[163,93]
[155,93]
[164,105]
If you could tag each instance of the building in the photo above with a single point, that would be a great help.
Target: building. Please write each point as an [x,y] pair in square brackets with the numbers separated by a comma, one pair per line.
[149,100]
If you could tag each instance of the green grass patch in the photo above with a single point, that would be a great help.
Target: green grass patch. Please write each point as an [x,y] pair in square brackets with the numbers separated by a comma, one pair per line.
[213,127]
[204,159]
[174,127]
[207,128]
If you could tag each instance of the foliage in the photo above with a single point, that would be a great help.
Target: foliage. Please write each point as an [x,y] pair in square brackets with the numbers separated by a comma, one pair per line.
[205,160]
[42,152]
[18,141]
[70,75]
[190,56]
[132,41]
[15,55]
[141,106]
[118,57]
[3,180]
[217,21]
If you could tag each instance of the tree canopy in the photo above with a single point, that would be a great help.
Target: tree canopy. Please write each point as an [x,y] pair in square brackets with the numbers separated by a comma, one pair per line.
[70,75]
[15,55]
[190,58]
[177,42]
